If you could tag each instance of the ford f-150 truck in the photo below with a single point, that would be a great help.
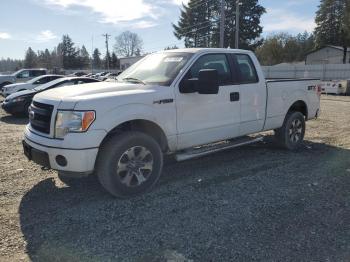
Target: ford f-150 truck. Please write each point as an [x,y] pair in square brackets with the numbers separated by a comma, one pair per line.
[185,102]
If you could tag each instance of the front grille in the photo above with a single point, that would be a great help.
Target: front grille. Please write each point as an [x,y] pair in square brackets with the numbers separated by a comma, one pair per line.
[40,117]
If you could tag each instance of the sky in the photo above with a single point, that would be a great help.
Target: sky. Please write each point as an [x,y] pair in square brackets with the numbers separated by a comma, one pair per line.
[40,24]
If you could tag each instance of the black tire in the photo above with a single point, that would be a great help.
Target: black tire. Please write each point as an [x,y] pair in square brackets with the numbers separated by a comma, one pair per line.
[291,134]
[114,153]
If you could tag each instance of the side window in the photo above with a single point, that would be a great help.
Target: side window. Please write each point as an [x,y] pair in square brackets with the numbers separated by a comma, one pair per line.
[23,74]
[212,61]
[247,69]
[35,73]
[43,80]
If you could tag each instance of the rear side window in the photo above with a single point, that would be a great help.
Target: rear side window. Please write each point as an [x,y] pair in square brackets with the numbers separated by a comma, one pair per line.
[35,73]
[247,69]
[218,62]
[43,80]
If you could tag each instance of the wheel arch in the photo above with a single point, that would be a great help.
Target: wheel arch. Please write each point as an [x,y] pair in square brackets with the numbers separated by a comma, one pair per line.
[299,106]
[141,125]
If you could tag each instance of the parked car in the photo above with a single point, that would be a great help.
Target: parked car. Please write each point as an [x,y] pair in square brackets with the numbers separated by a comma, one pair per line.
[18,103]
[109,76]
[31,84]
[22,75]
[171,102]
[78,74]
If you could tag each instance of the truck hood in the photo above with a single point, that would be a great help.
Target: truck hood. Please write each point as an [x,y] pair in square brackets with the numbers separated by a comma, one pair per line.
[86,94]
[92,91]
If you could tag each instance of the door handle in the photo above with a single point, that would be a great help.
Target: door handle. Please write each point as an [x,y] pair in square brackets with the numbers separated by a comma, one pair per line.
[234,96]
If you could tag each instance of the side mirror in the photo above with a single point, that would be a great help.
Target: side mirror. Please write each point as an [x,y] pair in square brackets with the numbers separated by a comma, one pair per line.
[208,82]
[188,86]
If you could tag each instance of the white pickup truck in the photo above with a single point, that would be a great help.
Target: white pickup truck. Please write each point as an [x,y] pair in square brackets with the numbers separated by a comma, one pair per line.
[185,102]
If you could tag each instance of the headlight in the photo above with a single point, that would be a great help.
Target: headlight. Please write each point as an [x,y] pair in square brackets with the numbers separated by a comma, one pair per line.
[73,121]
[18,99]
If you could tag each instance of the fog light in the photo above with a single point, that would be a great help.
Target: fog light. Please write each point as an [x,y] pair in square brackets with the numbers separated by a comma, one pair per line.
[61,160]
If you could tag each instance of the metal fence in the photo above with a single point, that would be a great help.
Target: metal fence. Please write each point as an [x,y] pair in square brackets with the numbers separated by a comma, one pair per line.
[323,72]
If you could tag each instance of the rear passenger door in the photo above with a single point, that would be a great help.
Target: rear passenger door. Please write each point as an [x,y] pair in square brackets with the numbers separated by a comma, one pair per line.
[252,94]
[203,118]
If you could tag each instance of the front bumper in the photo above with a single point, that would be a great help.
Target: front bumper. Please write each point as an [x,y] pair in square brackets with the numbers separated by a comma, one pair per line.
[49,152]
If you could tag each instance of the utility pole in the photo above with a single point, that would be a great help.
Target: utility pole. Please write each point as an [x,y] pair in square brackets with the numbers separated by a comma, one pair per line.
[237,24]
[222,23]
[92,54]
[107,36]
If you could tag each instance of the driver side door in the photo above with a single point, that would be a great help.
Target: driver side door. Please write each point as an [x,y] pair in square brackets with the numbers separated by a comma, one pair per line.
[203,118]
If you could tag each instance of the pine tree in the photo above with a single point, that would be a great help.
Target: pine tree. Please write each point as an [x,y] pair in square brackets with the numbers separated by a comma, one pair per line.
[332,27]
[199,24]
[96,58]
[115,63]
[30,58]
[107,60]
[69,53]
[84,58]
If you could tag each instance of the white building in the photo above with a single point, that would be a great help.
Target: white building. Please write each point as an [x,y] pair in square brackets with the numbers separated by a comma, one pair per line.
[125,62]
[327,55]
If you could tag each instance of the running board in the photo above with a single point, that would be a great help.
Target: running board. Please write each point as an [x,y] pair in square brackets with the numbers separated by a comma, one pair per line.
[216,147]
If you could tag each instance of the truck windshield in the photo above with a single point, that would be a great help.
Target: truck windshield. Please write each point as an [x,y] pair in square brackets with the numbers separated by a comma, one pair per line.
[157,69]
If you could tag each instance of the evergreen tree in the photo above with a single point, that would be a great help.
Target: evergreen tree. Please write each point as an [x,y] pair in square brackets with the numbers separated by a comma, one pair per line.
[10,64]
[96,58]
[107,61]
[171,47]
[84,58]
[115,63]
[199,24]
[69,53]
[30,58]
[45,59]
[332,27]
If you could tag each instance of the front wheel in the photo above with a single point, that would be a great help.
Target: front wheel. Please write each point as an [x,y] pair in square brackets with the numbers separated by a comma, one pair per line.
[129,164]
[291,134]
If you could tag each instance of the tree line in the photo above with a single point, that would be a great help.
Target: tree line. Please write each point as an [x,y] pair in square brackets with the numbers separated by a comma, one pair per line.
[67,55]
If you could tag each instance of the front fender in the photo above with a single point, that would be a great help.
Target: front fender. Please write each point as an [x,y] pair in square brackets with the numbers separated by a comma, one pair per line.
[165,118]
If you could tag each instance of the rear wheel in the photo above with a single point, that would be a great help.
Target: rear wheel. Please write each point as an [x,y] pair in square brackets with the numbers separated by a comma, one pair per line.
[291,134]
[129,164]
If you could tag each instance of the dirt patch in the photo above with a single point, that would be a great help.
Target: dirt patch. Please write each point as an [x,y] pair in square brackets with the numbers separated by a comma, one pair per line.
[252,203]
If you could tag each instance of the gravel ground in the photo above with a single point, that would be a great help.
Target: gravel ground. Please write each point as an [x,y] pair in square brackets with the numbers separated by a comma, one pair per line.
[255,203]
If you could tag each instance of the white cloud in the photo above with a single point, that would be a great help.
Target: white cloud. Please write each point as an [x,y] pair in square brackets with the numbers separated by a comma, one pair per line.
[180,2]
[111,11]
[284,20]
[45,36]
[4,35]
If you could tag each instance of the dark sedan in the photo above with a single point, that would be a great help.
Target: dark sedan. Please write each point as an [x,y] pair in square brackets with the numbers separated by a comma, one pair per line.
[19,102]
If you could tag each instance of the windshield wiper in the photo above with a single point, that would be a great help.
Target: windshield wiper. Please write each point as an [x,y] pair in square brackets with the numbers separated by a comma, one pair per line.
[132,79]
